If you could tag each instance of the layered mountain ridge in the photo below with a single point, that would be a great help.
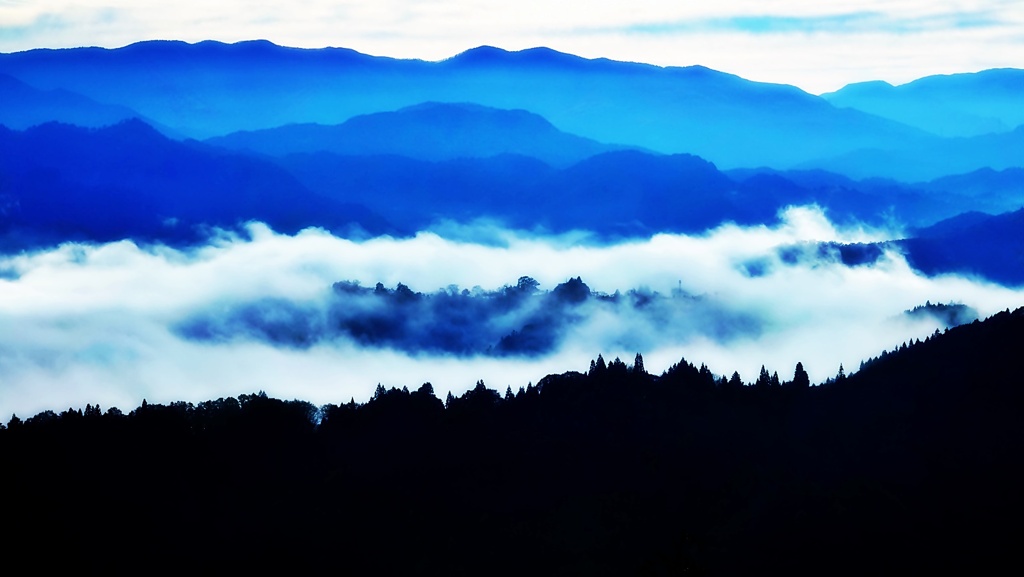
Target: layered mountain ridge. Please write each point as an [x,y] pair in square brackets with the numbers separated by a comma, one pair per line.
[530,139]
[211,89]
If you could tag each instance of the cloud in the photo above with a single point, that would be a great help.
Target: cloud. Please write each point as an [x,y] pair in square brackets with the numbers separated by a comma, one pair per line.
[85,324]
[848,23]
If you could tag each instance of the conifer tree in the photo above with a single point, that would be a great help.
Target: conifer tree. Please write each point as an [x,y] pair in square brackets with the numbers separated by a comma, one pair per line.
[763,379]
[638,365]
[800,378]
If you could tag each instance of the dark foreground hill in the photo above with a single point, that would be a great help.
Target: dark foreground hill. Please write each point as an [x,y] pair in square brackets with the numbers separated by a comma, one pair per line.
[910,465]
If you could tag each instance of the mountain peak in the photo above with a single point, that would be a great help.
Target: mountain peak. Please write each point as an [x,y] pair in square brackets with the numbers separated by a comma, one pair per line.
[481,55]
[861,88]
[445,111]
[536,56]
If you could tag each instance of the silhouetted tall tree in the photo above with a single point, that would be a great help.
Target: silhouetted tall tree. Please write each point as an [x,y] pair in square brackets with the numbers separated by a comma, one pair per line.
[638,365]
[735,381]
[764,380]
[800,378]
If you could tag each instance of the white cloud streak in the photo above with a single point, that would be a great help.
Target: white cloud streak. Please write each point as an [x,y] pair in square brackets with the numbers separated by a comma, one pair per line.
[817,46]
[88,324]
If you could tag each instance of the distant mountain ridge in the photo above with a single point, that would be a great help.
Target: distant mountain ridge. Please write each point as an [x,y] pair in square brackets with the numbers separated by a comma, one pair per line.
[212,89]
[967,104]
[431,131]
[991,247]
[993,191]
[931,159]
[22,106]
[60,182]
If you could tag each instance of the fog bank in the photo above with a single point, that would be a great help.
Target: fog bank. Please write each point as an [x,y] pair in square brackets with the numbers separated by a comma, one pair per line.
[104,323]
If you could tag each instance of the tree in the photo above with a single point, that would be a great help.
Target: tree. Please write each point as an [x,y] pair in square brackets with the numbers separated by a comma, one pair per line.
[527,285]
[800,378]
[735,381]
[764,380]
[617,368]
[638,365]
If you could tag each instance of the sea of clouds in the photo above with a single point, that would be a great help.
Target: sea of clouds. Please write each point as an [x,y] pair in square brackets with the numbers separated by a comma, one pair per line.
[108,323]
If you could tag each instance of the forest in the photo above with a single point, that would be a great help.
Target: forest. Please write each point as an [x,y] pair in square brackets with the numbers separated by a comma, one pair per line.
[910,463]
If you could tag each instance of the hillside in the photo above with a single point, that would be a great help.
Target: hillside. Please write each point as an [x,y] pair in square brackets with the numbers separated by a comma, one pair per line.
[60,182]
[991,247]
[609,471]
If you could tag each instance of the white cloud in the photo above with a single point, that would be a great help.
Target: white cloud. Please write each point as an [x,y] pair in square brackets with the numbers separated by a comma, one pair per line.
[87,324]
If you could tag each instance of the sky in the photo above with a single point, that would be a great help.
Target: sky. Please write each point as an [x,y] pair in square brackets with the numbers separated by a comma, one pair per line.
[84,324]
[818,46]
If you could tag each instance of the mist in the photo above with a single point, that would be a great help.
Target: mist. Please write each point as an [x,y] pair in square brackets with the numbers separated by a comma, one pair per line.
[118,322]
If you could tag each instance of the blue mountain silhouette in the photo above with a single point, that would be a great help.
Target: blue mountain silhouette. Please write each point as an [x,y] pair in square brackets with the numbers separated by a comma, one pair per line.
[988,246]
[24,106]
[60,182]
[968,104]
[429,131]
[210,89]
[932,159]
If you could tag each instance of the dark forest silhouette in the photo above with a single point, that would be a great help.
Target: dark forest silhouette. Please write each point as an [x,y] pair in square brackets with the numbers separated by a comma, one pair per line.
[909,465]
[515,320]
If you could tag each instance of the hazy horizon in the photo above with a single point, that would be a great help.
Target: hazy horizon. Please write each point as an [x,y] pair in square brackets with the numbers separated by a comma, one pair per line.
[815,47]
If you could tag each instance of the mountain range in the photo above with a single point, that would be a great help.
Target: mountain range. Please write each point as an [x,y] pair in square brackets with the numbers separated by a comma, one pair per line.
[212,89]
[967,104]
[429,131]
[532,139]
[25,106]
[62,182]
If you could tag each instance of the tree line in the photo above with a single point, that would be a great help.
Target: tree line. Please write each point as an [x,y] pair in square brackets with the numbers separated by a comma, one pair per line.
[908,463]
